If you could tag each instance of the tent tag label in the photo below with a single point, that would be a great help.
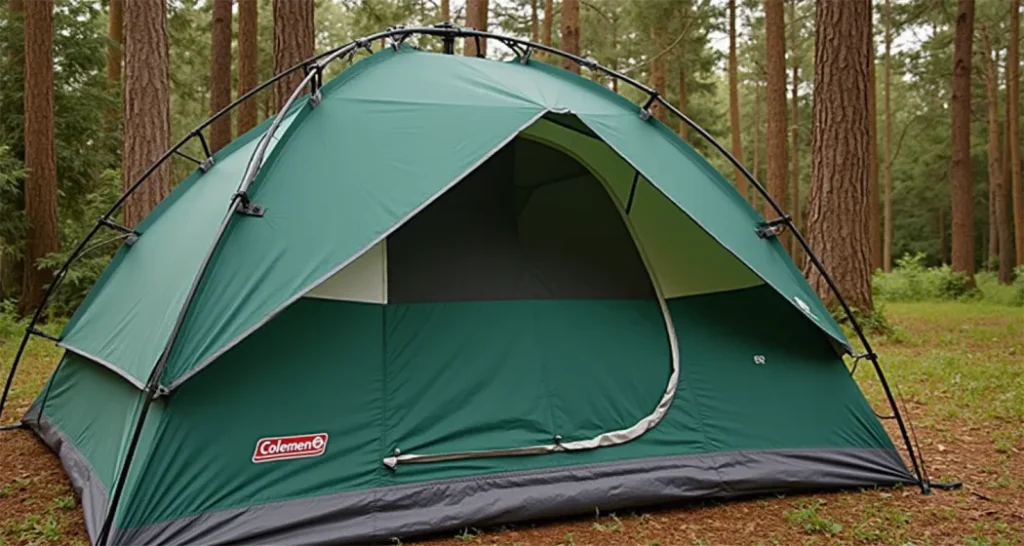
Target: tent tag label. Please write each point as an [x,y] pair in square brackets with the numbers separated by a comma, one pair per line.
[279,448]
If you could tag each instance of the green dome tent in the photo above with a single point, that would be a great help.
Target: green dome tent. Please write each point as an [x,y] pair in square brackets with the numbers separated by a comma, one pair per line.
[442,291]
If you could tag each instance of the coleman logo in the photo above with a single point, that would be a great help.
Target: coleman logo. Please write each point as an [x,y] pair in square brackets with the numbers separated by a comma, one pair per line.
[289,447]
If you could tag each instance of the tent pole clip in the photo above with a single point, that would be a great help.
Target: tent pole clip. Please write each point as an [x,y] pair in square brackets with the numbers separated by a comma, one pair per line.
[207,164]
[525,57]
[247,207]
[645,110]
[773,228]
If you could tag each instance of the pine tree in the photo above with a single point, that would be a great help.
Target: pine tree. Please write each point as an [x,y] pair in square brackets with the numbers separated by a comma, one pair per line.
[887,236]
[248,62]
[116,34]
[1013,99]
[220,73]
[734,104]
[963,211]
[293,43]
[775,95]
[837,225]
[476,17]
[571,32]
[40,154]
[995,166]
[147,111]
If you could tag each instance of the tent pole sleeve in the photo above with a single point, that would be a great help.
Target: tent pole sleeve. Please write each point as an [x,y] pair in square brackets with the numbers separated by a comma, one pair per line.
[918,468]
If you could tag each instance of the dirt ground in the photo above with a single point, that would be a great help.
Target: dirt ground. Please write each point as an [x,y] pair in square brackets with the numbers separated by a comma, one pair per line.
[961,369]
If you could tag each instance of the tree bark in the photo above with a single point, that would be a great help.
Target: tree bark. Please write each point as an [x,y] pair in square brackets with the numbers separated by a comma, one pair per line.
[887,257]
[683,128]
[775,31]
[115,31]
[534,22]
[248,62]
[796,251]
[874,207]
[734,105]
[837,226]
[220,73]
[571,33]
[476,17]
[40,156]
[147,111]
[995,166]
[446,11]
[755,199]
[963,210]
[658,72]
[293,43]
[1013,89]
[549,17]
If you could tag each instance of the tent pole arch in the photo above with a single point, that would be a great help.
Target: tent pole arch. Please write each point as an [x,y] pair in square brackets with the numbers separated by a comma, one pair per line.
[314,68]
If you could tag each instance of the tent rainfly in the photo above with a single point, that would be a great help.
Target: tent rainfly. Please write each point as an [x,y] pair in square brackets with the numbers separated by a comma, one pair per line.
[440,291]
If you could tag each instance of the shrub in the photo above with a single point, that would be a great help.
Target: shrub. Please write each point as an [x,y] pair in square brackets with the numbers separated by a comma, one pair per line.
[912,281]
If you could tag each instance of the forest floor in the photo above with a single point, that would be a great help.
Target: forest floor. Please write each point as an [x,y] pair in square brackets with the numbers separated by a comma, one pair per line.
[961,370]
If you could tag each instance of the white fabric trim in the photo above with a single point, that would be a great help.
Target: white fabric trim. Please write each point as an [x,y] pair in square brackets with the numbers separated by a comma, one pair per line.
[365,279]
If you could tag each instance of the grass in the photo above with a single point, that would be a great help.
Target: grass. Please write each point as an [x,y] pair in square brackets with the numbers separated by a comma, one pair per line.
[959,366]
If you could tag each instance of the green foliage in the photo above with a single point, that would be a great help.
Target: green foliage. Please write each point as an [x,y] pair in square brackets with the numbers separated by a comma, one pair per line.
[911,280]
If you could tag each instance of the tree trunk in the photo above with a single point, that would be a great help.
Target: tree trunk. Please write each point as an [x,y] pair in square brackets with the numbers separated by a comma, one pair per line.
[963,210]
[755,199]
[476,17]
[115,31]
[534,22]
[887,257]
[1013,89]
[874,206]
[995,166]
[571,33]
[549,17]
[734,105]
[658,72]
[147,111]
[683,128]
[40,156]
[775,31]
[796,250]
[837,226]
[1008,181]
[220,73]
[293,43]
[248,62]
[446,11]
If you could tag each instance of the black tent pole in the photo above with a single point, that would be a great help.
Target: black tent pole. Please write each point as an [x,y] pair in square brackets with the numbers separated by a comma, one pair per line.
[153,387]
